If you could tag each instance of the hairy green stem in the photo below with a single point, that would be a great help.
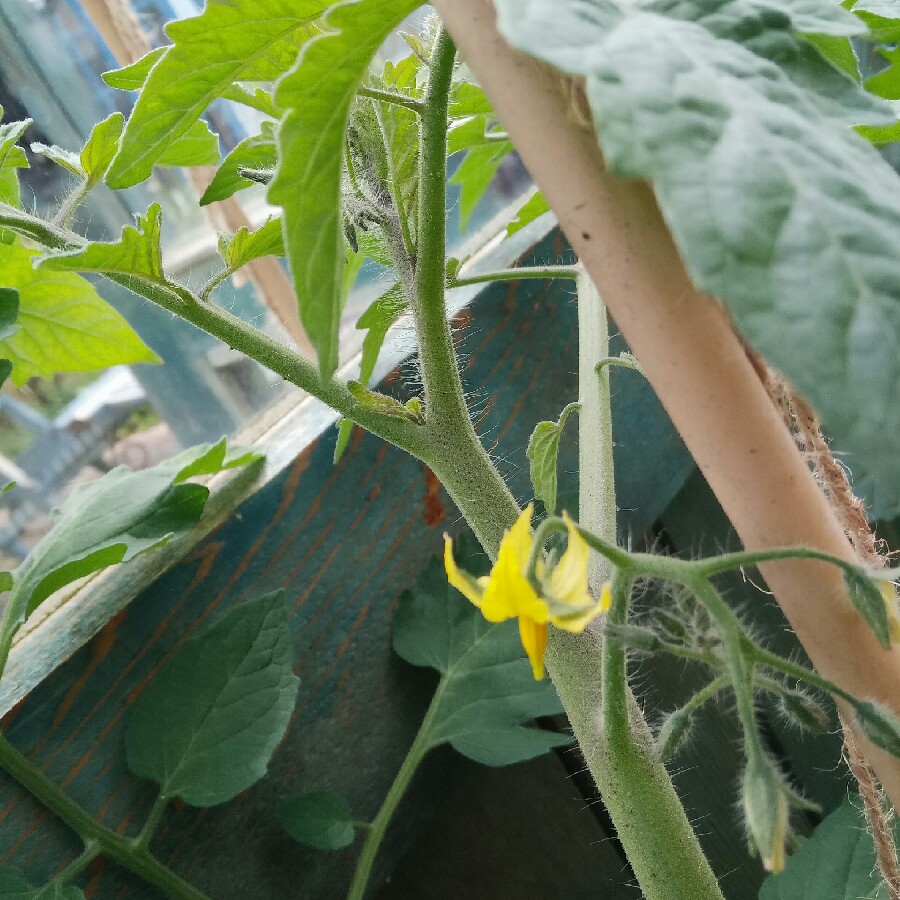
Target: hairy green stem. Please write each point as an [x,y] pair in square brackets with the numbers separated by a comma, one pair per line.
[590,672]
[445,406]
[379,825]
[91,851]
[154,819]
[126,852]
[521,274]
[392,97]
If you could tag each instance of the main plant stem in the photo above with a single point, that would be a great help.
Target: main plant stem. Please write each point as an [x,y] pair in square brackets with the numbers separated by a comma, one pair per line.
[126,852]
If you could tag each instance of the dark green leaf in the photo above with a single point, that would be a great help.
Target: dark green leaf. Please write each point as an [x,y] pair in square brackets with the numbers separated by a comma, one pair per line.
[323,821]
[535,207]
[132,78]
[64,325]
[487,692]
[117,517]
[378,318]
[836,863]
[256,152]
[231,40]
[317,95]
[869,603]
[542,452]
[198,146]
[6,368]
[208,724]
[777,207]
[9,312]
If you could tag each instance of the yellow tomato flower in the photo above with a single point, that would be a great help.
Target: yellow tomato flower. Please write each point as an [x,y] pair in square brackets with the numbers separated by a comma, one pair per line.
[506,593]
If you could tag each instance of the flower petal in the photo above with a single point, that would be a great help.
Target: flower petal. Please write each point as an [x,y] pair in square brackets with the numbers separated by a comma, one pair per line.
[462,581]
[534,640]
[569,579]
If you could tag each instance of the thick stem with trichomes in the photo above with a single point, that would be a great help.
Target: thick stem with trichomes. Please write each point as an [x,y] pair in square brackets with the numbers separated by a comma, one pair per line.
[590,672]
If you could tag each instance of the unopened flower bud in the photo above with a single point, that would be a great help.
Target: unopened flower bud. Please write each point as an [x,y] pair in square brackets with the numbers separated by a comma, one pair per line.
[766,809]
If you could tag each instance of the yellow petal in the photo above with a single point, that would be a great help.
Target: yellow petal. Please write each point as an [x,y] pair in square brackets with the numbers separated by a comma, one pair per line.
[569,579]
[534,640]
[605,597]
[462,581]
[508,592]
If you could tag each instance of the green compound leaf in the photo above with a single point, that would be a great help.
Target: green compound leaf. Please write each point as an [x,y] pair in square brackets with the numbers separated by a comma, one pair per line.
[542,453]
[208,724]
[869,603]
[317,95]
[137,253]
[256,152]
[260,100]
[487,693]
[321,821]
[836,863]
[101,147]
[776,206]
[64,325]
[231,40]
[475,173]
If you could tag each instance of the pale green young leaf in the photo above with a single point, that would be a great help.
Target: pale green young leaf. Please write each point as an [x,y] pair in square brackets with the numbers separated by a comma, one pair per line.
[65,158]
[101,147]
[231,40]
[6,578]
[475,173]
[244,246]
[198,146]
[137,253]
[345,429]
[206,727]
[378,318]
[64,324]
[132,78]
[255,152]
[887,82]
[542,453]
[260,99]
[208,459]
[880,135]
[487,694]
[12,157]
[776,205]
[321,821]
[533,208]
[381,403]
[838,51]
[837,862]
[317,95]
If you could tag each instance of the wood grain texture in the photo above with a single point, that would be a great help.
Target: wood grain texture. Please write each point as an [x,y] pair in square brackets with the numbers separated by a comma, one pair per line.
[343,542]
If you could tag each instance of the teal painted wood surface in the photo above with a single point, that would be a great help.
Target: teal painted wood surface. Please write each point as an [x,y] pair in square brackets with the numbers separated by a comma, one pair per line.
[343,542]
